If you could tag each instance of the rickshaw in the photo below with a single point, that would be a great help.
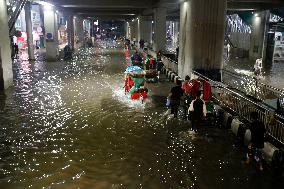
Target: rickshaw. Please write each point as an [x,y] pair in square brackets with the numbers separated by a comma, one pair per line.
[134,83]
[151,69]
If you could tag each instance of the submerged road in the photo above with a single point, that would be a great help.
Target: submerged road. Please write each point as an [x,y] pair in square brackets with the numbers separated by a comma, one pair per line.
[69,125]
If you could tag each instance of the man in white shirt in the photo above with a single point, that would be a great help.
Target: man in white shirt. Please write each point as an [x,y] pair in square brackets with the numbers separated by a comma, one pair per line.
[257,66]
[197,109]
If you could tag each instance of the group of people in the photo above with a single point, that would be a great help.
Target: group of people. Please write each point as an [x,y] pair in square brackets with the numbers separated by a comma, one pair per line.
[189,95]
[185,91]
[149,63]
[142,44]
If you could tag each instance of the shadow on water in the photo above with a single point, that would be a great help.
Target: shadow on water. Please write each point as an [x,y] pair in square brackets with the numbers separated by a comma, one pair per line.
[160,101]
[2,101]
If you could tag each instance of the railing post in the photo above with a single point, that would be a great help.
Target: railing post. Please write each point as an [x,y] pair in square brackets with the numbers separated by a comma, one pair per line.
[256,85]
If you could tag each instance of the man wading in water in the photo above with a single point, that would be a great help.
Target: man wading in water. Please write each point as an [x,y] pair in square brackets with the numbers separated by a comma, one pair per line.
[257,141]
[198,111]
[175,96]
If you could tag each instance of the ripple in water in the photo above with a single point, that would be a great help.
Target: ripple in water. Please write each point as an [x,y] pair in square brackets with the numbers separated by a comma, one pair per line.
[69,125]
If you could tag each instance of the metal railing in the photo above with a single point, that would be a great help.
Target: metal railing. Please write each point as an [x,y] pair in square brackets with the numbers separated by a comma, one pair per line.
[170,64]
[229,41]
[243,106]
[252,86]
[240,104]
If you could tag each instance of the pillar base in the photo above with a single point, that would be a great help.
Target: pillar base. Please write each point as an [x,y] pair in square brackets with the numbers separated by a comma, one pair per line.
[5,83]
[1,80]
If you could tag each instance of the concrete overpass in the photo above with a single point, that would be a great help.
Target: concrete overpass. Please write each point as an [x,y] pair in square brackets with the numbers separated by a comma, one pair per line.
[128,9]
[200,20]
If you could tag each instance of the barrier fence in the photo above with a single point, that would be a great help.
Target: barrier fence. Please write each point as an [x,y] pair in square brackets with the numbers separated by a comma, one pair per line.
[252,86]
[243,106]
[170,64]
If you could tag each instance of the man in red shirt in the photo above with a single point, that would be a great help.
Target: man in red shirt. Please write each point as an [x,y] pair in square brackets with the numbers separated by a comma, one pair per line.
[186,86]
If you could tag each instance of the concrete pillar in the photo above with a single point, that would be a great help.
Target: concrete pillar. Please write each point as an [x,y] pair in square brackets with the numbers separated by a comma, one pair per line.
[51,33]
[87,27]
[136,29]
[70,30]
[127,30]
[6,73]
[145,28]
[201,39]
[133,29]
[130,31]
[90,27]
[29,30]
[159,28]
[79,31]
[258,41]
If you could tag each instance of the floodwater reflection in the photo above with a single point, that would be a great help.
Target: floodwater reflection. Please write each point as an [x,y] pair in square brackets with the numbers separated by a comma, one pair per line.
[69,125]
[272,71]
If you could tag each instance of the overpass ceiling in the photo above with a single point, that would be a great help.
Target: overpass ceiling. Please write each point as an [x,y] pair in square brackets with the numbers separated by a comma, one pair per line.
[128,9]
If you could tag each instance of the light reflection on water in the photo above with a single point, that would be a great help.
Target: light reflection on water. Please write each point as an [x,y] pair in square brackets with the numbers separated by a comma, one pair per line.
[69,125]
[248,83]
[272,72]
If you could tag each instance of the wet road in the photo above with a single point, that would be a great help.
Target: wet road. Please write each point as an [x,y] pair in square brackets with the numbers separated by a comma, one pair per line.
[272,72]
[69,125]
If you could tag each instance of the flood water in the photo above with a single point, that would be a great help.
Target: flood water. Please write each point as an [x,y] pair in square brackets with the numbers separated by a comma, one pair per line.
[272,72]
[68,125]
